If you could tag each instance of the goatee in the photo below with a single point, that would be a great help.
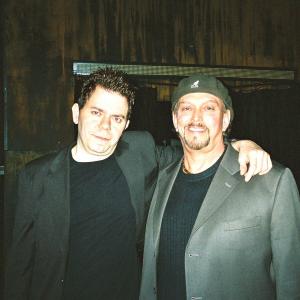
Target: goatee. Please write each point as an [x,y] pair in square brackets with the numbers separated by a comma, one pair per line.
[197,141]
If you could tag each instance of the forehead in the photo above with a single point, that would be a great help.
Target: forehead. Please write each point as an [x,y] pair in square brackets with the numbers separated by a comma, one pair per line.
[200,98]
[108,101]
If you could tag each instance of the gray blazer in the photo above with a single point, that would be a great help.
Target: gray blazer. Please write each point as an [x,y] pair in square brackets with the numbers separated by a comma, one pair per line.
[245,243]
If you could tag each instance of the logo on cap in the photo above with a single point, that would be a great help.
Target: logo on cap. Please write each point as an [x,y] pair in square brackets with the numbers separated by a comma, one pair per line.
[195,84]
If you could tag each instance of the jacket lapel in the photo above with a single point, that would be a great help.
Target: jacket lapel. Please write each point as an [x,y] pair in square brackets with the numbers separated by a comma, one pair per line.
[58,189]
[161,196]
[128,164]
[221,187]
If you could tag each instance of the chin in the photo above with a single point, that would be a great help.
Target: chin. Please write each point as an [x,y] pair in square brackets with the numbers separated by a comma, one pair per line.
[197,144]
[99,149]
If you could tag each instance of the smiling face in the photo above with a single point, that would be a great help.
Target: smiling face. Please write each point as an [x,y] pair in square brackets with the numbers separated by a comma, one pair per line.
[200,119]
[101,122]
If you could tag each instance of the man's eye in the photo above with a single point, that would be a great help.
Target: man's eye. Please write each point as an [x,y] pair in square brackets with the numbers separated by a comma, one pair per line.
[186,108]
[95,112]
[118,119]
[210,107]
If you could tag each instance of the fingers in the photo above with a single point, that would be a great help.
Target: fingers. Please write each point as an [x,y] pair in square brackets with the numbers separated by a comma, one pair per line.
[257,162]
[266,164]
[243,167]
[251,169]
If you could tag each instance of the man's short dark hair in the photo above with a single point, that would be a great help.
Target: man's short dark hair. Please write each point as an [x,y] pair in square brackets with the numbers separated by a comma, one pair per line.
[110,79]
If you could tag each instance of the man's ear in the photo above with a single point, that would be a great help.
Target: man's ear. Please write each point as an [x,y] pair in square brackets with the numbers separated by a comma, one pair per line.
[226,120]
[127,124]
[75,113]
[174,118]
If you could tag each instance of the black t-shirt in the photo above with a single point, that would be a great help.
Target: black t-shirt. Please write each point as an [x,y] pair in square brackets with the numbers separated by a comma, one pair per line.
[102,261]
[185,200]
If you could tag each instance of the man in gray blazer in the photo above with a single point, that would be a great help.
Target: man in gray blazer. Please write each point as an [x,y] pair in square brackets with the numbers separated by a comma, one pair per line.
[81,212]
[210,235]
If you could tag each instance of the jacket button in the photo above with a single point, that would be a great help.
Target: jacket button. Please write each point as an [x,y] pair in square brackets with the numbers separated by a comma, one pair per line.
[193,254]
[154,291]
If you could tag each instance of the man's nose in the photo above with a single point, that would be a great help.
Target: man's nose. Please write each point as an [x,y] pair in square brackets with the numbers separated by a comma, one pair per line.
[105,122]
[197,115]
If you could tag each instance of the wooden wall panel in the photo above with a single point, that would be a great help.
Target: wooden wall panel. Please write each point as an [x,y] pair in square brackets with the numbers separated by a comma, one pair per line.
[37,71]
[42,38]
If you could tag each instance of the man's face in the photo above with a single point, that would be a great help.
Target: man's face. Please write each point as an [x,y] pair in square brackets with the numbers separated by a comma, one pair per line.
[200,120]
[101,123]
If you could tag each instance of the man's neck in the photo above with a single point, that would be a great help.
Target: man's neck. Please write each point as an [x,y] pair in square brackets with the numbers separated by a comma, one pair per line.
[197,161]
[80,155]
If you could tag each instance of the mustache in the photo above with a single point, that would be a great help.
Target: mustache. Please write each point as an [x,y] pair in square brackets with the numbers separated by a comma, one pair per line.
[200,125]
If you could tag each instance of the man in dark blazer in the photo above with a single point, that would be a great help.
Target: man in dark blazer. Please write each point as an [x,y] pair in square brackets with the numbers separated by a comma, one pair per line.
[209,234]
[81,212]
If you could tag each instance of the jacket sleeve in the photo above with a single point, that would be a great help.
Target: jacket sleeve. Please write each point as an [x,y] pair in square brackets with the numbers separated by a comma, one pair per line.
[165,155]
[285,238]
[20,255]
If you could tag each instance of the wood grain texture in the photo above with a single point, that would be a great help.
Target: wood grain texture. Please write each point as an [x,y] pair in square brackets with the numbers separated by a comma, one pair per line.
[42,38]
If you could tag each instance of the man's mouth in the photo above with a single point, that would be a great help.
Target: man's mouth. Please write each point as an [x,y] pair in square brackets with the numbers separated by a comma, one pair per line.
[101,138]
[196,128]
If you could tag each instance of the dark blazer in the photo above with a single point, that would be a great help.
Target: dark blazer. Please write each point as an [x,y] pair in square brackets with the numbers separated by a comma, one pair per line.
[245,243]
[37,259]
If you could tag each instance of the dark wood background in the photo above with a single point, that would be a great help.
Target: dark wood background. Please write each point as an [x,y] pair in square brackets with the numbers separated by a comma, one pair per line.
[41,39]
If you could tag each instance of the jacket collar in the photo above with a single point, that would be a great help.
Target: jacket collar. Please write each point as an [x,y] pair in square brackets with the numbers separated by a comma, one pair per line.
[127,160]
[62,159]
[63,156]
[223,183]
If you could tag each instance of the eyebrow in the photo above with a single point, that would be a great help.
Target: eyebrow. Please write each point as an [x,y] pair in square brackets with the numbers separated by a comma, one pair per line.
[114,115]
[119,116]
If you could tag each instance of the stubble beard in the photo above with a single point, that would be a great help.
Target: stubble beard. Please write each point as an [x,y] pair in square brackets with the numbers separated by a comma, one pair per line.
[197,141]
